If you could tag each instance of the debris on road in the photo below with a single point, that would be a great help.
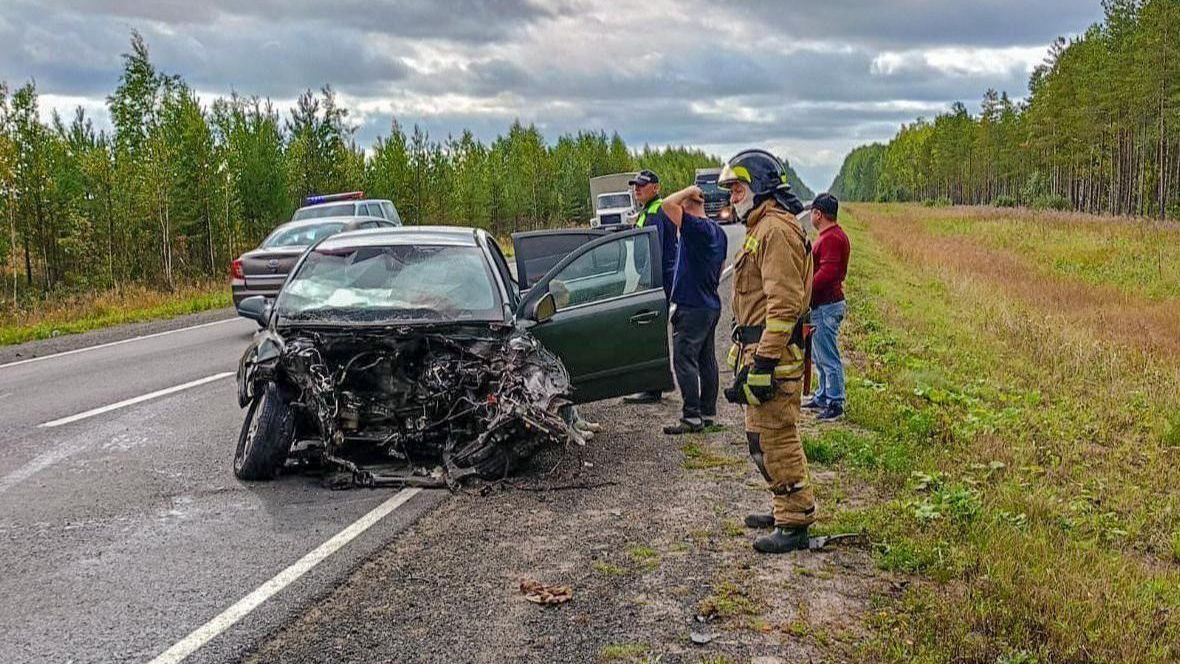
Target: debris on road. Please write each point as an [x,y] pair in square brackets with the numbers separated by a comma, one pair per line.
[701,637]
[539,593]
[818,543]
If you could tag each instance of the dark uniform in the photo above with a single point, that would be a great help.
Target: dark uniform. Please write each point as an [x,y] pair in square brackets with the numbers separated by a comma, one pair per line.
[653,215]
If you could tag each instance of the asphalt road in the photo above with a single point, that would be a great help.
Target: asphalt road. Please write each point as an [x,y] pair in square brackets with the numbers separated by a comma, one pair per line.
[122,528]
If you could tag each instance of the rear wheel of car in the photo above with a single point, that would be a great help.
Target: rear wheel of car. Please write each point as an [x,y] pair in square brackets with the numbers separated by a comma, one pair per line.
[266,436]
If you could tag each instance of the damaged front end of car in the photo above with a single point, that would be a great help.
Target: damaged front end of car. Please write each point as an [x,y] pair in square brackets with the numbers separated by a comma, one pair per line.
[412,406]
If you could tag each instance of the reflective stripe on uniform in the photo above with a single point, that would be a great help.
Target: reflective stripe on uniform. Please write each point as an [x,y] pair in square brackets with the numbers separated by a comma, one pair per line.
[751,243]
[789,370]
[758,379]
[650,209]
[734,357]
[778,325]
[750,398]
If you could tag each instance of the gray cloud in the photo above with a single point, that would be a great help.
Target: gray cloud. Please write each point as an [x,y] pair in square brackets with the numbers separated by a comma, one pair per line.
[817,78]
[464,20]
[910,23]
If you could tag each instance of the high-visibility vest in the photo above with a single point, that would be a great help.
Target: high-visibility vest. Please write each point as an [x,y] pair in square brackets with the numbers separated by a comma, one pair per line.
[651,208]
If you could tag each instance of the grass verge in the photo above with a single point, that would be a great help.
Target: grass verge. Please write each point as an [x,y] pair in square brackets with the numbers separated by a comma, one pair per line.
[1030,459]
[130,304]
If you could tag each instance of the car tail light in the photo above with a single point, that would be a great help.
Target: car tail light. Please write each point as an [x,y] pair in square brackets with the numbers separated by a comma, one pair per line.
[235,269]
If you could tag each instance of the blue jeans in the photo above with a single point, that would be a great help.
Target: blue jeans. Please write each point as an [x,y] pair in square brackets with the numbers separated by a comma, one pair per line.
[827,318]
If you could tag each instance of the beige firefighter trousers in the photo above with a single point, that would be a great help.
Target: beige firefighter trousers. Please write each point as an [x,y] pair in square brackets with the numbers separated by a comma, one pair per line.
[772,432]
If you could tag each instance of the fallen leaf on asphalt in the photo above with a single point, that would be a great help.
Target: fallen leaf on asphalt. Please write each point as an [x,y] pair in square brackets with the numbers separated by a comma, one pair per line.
[539,593]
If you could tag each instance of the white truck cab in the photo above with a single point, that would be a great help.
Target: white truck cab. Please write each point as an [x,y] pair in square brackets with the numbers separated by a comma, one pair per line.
[611,200]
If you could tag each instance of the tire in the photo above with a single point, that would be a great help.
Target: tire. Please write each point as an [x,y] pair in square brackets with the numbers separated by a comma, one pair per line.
[266,436]
[490,461]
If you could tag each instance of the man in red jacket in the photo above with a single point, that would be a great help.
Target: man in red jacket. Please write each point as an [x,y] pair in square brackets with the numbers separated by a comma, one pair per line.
[830,254]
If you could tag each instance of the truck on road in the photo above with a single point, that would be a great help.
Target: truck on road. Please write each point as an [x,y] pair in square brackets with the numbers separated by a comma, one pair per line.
[610,200]
[716,198]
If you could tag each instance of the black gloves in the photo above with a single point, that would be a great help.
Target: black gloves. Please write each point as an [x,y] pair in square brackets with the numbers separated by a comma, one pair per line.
[760,383]
[754,385]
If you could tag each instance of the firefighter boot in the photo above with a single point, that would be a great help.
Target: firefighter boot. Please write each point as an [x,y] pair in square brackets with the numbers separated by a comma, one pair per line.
[783,540]
[760,521]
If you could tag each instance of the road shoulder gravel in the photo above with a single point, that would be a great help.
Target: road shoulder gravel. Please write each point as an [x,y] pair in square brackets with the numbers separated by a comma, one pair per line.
[650,544]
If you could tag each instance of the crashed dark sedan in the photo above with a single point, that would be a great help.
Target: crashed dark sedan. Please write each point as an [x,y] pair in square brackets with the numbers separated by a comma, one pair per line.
[414,356]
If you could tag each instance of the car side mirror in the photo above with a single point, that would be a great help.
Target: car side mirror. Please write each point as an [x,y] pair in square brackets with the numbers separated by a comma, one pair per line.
[256,308]
[543,309]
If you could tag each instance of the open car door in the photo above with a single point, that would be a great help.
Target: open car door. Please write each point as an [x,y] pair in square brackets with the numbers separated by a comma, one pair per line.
[611,322]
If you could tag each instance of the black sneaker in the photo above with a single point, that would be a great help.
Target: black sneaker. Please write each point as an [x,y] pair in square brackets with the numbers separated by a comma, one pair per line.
[783,540]
[812,404]
[760,521]
[831,414]
[684,426]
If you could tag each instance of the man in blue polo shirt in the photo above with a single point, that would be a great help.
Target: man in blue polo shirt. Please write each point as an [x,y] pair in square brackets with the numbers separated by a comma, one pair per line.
[700,256]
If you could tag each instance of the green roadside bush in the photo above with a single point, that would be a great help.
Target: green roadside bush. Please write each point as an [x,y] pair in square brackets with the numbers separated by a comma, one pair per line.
[1051,202]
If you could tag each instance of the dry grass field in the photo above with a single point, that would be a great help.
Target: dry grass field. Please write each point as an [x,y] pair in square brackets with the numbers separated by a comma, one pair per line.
[1014,391]
[133,303]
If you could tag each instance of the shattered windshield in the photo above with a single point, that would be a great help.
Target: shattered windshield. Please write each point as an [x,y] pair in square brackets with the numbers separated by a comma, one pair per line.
[391,283]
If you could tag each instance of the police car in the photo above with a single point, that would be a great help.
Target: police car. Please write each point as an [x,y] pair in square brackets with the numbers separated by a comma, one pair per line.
[349,204]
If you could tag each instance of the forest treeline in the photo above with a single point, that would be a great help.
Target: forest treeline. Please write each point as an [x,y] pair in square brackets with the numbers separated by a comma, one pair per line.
[175,189]
[1099,131]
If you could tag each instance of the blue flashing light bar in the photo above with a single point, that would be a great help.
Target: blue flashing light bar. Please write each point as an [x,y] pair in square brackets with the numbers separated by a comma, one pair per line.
[331,198]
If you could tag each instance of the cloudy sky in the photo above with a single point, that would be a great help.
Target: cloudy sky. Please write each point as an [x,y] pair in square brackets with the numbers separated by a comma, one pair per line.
[808,79]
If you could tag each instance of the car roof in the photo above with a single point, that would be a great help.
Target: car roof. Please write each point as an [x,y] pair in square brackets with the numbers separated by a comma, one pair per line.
[350,200]
[458,236]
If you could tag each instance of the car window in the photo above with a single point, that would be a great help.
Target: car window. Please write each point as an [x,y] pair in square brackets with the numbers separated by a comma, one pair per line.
[321,211]
[390,212]
[301,236]
[611,201]
[373,210]
[619,267]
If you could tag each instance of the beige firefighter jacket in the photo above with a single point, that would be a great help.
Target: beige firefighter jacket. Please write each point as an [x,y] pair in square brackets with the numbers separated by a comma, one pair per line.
[772,288]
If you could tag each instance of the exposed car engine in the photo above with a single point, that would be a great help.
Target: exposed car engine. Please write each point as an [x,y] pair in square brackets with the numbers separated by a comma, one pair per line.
[473,401]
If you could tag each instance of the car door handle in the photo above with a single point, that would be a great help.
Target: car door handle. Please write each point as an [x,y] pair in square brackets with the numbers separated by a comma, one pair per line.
[645,317]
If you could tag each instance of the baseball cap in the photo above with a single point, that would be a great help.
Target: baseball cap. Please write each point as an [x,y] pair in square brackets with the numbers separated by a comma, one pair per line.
[827,204]
[645,177]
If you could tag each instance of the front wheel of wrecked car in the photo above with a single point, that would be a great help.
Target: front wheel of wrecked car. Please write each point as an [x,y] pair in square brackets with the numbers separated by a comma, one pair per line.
[266,435]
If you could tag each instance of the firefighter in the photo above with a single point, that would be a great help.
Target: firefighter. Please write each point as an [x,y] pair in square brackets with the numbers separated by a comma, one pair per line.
[772,289]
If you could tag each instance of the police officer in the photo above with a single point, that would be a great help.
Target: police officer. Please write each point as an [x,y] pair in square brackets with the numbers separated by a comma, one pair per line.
[645,186]
[772,289]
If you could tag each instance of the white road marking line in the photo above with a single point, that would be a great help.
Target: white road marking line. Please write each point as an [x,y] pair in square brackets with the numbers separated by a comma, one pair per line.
[240,609]
[116,343]
[41,462]
[135,400]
